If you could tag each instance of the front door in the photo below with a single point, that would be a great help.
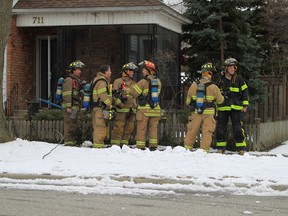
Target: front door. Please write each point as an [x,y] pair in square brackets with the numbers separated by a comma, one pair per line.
[46,68]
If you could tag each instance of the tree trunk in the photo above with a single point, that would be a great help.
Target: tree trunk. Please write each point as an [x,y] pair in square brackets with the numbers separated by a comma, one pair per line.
[5,22]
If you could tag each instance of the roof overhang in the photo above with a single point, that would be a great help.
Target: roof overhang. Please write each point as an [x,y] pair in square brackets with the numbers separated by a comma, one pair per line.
[160,15]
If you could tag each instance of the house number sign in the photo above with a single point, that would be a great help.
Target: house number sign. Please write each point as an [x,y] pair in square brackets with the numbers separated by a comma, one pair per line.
[38,20]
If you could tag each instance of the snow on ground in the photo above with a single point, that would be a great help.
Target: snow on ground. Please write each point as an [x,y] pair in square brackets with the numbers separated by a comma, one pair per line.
[132,171]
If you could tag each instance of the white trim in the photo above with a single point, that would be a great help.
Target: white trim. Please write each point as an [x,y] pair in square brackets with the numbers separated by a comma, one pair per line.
[49,66]
[38,83]
[160,15]
[4,81]
[38,64]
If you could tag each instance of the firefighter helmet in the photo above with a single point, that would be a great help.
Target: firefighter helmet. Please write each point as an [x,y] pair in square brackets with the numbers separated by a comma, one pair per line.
[207,67]
[230,62]
[129,66]
[76,64]
[148,65]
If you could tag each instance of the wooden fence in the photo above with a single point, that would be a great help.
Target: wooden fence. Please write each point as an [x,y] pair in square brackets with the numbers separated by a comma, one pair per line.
[260,136]
[275,104]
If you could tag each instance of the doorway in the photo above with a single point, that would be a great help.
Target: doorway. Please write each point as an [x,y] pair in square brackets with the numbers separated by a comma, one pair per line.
[46,68]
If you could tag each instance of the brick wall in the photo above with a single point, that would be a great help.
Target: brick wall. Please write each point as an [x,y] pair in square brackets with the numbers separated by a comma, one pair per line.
[20,67]
[105,47]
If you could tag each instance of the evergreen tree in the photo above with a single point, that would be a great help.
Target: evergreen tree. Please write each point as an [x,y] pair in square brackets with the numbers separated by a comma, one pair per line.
[272,34]
[222,29]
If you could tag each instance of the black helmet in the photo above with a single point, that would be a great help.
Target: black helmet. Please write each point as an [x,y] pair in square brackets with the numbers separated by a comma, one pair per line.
[76,64]
[207,67]
[230,62]
[129,66]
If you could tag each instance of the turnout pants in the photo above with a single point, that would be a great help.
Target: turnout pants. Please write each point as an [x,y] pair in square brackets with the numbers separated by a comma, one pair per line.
[236,117]
[123,128]
[70,129]
[99,127]
[146,126]
[195,121]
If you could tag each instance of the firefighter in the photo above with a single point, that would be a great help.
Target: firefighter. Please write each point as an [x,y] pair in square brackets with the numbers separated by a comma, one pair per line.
[148,110]
[126,107]
[234,106]
[101,106]
[72,102]
[201,98]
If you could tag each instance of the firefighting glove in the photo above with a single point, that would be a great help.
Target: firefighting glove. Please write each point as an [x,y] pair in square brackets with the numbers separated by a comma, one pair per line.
[110,114]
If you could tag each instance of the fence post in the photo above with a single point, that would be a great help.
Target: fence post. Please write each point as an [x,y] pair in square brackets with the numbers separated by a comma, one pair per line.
[256,132]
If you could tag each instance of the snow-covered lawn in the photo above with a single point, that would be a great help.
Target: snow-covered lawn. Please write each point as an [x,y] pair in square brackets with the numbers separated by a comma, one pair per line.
[132,171]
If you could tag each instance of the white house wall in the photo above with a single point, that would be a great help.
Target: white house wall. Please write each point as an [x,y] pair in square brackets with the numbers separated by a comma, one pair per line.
[98,18]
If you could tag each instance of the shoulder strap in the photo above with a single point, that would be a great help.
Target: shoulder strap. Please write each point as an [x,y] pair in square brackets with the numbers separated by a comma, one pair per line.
[205,87]
[208,84]
[94,83]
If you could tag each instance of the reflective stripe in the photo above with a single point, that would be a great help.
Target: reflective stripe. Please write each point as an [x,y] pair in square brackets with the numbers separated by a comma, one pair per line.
[188,147]
[100,145]
[153,141]
[145,91]
[206,112]
[244,87]
[137,89]
[118,101]
[140,144]
[115,142]
[236,107]
[209,98]
[246,103]
[221,144]
[234,89]
[107,102]
[147,106]
[66,93]
[225,108]
[100,91]
[70,143]
[124,110]
[124,142]
[65,105]
[152,114]
[240,144]
[229,108]
[75,107]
